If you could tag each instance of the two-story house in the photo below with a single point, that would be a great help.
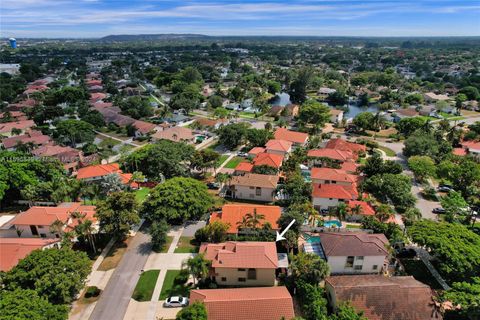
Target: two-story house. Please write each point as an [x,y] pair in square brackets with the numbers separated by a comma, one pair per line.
[295,137]
[250,264]
[354,253]
[97,173]
[280,147]
[252,186]
[333,176]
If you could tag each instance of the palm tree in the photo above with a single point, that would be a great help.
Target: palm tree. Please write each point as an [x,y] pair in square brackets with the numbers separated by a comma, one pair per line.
[412,214]
[384,212]
[86,229]
[255,218]
[341,211]
[245,223]
[198,267]
[356,210]
[313,218]
[57,227]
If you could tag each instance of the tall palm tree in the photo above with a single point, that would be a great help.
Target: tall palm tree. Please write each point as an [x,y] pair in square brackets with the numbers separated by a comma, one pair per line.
[356,210]
[244,224]
[341,211]
[198,267]
[313,218]
[384,212]
[57,227]
[86,229]
[254,218]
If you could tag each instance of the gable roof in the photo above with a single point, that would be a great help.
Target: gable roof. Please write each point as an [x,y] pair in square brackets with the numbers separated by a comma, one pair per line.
[341,144]
[45,216]
[292,136]
[263,303]
[268,159]
[353,244]
[278,145]
[232,254]
[385,298]
[333,175]
[12,250]
[98,170]
[334,191]
[255,180]
[334,154]
[244,166]
[233,214]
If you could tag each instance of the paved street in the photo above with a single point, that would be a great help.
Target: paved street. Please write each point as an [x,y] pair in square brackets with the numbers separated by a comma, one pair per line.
[114,300]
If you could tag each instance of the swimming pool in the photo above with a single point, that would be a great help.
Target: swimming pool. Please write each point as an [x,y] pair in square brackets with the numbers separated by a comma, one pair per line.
[332,224]
[313,239]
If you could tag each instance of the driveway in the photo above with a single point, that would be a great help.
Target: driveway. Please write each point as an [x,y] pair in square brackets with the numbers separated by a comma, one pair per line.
[191,227]
[114,300]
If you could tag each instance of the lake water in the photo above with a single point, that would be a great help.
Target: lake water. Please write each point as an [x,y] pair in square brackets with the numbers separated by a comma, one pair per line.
[281,99]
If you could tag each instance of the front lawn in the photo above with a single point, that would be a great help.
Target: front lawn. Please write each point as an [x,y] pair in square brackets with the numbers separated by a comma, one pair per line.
[232,164]
[221,160]
[389,152]
[114,256]
[419,271]
[185,245]
[174,285]
[141,194]
[145,285]
[167,244]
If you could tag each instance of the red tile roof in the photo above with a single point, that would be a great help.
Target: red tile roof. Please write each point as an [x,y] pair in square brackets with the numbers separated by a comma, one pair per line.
[244,167]
[264,303]
[233,214]
[333,175]
[255,180]
[268,159]
[343,145]
[353,244]
[257,150]
[232,254]
[334,191]
[292,136]
[175,134]
[459,151]
[22,125]
[99,170]
[278,145]
[34,137]
[45,216]
[144,127]
[340,155]
[471,145]
[12,250]
[367,209]
[97,96]
[349,167]
[385,298]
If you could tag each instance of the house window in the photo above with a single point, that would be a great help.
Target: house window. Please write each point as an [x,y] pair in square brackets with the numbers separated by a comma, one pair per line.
[242,280]
[360,258]
[252,188]
[241,269]
[258,191]
[34,230]
[252,274]
[43,235]
[57,235]
[349,262]
[358,267]
[374,267]
[223,279]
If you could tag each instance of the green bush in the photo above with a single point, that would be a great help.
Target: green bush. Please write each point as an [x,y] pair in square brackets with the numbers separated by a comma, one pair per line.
[92,291]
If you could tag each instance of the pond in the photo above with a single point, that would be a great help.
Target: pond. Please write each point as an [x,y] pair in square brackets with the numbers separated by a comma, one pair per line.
[354,109]
[281,99]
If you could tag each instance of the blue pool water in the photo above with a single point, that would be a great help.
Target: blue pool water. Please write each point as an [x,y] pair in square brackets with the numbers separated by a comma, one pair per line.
[332,224]
[313,239]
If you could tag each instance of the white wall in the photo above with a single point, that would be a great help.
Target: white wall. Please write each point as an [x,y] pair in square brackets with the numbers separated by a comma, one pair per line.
[337,264]
[324,203]
[265,277]
[243,192]
[27,233]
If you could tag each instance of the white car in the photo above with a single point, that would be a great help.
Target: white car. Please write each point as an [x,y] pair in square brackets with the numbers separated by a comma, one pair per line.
[175,302]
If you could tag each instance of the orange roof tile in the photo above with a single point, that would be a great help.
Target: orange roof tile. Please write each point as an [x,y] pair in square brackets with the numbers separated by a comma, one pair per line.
[22,125]
[333,175]
[340,155]
[268,159]
[244,167]
[232,254]
[255,180]
[292,136]
[264,303]
[12,250]
[349,167]
[45,216]
[99,170]
[459,152]
[334,191]
[471,145]
[175,134]
[340,144]
[367,209]
[233,214]
[278,145]
[257,150]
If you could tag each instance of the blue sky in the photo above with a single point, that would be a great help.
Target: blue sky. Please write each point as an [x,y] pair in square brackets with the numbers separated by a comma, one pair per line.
[96,18]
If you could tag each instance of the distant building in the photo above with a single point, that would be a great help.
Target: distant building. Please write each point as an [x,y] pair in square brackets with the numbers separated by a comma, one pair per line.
[10,68]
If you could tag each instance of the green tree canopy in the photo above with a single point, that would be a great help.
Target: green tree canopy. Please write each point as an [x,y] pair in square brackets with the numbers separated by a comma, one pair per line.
[394,187]
[177,200]
[195,311]
[467,296]
[71,132]
[232,135]
[314,113]
[422,166]
[308,267]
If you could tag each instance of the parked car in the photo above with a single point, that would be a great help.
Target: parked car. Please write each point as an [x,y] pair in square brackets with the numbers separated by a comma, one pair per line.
[438,210]
[175,302]
[243,154]
[444,189]
[213,185]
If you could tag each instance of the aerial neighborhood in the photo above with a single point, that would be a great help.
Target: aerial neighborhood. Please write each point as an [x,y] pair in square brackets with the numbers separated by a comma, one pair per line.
[245,179]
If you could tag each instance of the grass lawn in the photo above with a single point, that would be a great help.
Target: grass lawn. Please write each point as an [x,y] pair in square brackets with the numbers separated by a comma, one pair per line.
[247,115]
[114,255]
[185,246]
[354,226]
[145,285]
[388,151]
[419,271]
[426,118]
[172,287]
[141,194]
[167,244]
[233,162]
[221,160]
